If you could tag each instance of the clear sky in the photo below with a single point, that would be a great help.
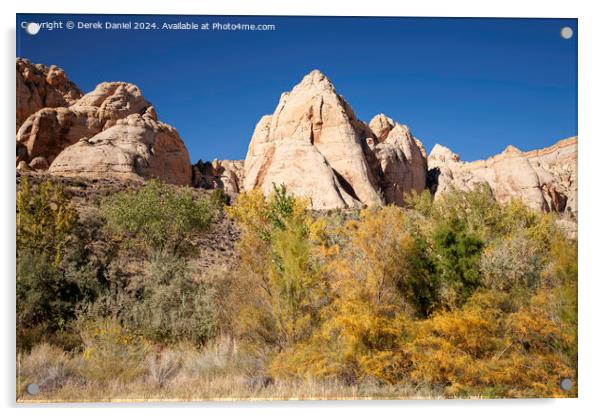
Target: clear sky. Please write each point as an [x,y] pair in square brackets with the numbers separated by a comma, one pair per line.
[474,85]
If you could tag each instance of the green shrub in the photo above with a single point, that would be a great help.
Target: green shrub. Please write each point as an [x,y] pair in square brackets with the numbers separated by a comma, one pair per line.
[159,217]
[48,296]
[173,306]
[477,209]
[165,304]
[457,254]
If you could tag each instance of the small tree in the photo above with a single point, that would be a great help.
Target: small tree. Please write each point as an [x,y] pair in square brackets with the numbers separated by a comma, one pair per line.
[157,216]
[457,254]
[45,220]
[282,287]
[364,329]
[51,279]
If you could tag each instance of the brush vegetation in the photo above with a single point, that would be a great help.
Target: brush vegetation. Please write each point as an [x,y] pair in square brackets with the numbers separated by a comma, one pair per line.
[458,297]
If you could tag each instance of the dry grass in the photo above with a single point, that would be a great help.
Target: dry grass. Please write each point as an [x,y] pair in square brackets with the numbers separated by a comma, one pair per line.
[182,373]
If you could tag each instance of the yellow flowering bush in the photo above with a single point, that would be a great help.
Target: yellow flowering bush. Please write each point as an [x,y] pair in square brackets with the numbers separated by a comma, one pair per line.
[111,352]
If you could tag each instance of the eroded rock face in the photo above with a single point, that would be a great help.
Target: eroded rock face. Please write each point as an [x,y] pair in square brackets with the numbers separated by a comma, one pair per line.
[136,147]
[40,86]
[49,131]
[315,145]
[219,174]
[544,179]
[556,167]
[402,159]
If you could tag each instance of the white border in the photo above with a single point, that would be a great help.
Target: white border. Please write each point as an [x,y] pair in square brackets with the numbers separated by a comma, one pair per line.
[590,290]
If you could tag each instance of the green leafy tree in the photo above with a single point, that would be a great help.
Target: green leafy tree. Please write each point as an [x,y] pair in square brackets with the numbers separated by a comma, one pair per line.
[157,216]
[457,254]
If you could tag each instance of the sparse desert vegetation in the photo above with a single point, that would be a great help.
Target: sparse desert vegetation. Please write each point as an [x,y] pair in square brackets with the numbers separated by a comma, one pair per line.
[454,297]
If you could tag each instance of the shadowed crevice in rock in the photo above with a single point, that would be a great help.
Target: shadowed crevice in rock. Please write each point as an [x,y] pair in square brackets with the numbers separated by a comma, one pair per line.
[346,185]
[432,180]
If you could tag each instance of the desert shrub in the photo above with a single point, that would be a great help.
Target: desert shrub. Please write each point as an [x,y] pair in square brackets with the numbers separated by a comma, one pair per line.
[219,198]
[163,365]
[159,217]
[538,227]
[510,262]
[456,254]
[45,220]
[561,277]
[45,365]
[172,305]
[48,295]
[449,347]
[378,257]
[543,345]
[495,345]
[111,352]
[218,357]
[278,286]
[166,303]
[364,328]
[355,344]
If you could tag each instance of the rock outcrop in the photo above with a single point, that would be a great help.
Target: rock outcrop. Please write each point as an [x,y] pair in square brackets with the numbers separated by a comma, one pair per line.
[402,159]
[111,132]
[315,145]
[134,147]
[544,179]
[219,174]
[49,131]
[40,86]
[556,167]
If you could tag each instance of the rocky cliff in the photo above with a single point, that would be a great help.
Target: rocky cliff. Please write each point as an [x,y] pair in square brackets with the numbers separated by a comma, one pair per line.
[313,143]
[40,86]
[544,179]
[112,131]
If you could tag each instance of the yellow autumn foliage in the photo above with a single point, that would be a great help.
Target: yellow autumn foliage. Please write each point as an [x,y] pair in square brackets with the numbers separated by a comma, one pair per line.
[111,352]
[337,300]
[363,330]
[278,287]
[45,219]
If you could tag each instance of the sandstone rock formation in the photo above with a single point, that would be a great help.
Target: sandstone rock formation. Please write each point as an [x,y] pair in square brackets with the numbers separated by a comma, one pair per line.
[135,147]
[222,174]
[315,145]
[40,86]
[110,132]
[312,145]
[544,179]
[556,167]
[50,130]
[402,159]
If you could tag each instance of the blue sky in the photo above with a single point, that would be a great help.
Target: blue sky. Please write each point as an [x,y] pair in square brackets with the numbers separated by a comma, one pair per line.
[474,85]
